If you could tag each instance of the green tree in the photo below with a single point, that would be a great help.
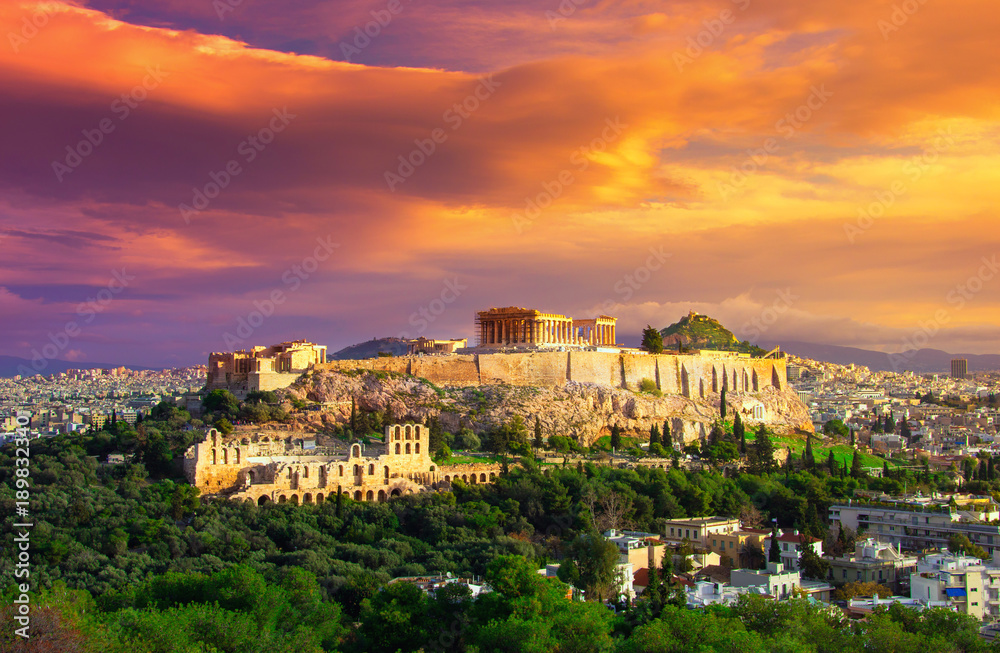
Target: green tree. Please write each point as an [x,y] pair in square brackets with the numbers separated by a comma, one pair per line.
[959,543]
[652,340]
[836,427]
[739,432]
[616,437]
[774,550]
[224,426]
[856,471]
[666,437]
[654,435]
[539,441]
[831,463]
[722,403]
[807,458]
[221,401]
[811,564]
[595,559]
[761,459]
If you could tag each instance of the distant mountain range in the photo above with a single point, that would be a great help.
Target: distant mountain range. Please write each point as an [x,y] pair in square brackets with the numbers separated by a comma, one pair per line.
[371,349]
[922,361]
[9,366]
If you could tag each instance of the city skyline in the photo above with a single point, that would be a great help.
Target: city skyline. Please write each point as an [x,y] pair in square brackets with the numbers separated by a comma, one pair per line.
[803,173]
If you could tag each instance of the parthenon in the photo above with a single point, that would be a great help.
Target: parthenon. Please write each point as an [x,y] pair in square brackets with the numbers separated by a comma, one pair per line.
[522,327]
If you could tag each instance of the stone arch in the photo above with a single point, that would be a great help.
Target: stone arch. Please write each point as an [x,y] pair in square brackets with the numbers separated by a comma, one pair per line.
[472,478]
[215,457]
[735,385]
[416,448]
[341,470]
[370,496]
[685,382]
[319,497]
[701,388]
[357,495]
[371,469]
[397,448]
[294,499]
[251,475]
[465,478]
[395,493]
[307,498]
[482,478]
[357,470]
[237,456]
[756,381]
[409,432]
[355,451]
[215,438]
[305,471]
[282,499]
[397,430]
[493,476]
[381,496]
[387,471]
[225,456]
[407,447]
[775,379]
[746,381]
[262,500]
[447,479]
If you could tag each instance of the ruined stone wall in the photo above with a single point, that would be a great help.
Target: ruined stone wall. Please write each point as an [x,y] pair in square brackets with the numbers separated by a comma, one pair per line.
[690,375]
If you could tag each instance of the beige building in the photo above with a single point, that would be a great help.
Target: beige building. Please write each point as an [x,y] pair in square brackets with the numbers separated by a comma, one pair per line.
[736,544]
[284,468]
[527,328]
[262,368]
[699,531]
[963,581]
[791,544]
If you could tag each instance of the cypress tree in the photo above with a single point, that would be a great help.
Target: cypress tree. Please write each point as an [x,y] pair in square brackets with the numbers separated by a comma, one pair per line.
[667,438]
[654,435]
[885,469]
[538,433]
[739,432]
[807,458]
[774,551]
[856,466]
[831,463]
[852,439]
[890,424]
[616,438]
[904,431]
[340,503]
[354,417]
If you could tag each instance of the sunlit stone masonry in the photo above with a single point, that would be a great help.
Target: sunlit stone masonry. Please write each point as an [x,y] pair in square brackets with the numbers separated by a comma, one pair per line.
[528,328]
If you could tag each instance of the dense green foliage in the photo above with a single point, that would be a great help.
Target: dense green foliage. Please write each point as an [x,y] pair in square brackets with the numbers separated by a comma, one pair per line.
[123,562]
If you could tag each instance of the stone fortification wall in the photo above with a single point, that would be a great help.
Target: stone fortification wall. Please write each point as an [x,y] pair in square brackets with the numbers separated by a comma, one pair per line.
[692,375]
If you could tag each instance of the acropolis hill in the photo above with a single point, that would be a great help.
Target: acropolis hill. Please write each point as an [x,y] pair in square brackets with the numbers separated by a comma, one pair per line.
[566,360]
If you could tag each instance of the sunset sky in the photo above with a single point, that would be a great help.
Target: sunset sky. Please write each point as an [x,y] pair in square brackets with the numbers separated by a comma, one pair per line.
[828,170]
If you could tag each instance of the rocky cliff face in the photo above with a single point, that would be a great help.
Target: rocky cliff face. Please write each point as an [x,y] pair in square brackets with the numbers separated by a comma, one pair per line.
[584,411]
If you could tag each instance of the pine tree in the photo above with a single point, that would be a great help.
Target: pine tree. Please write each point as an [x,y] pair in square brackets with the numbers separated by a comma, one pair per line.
[667,438]
[722,403]
[538,433]
[654,435]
